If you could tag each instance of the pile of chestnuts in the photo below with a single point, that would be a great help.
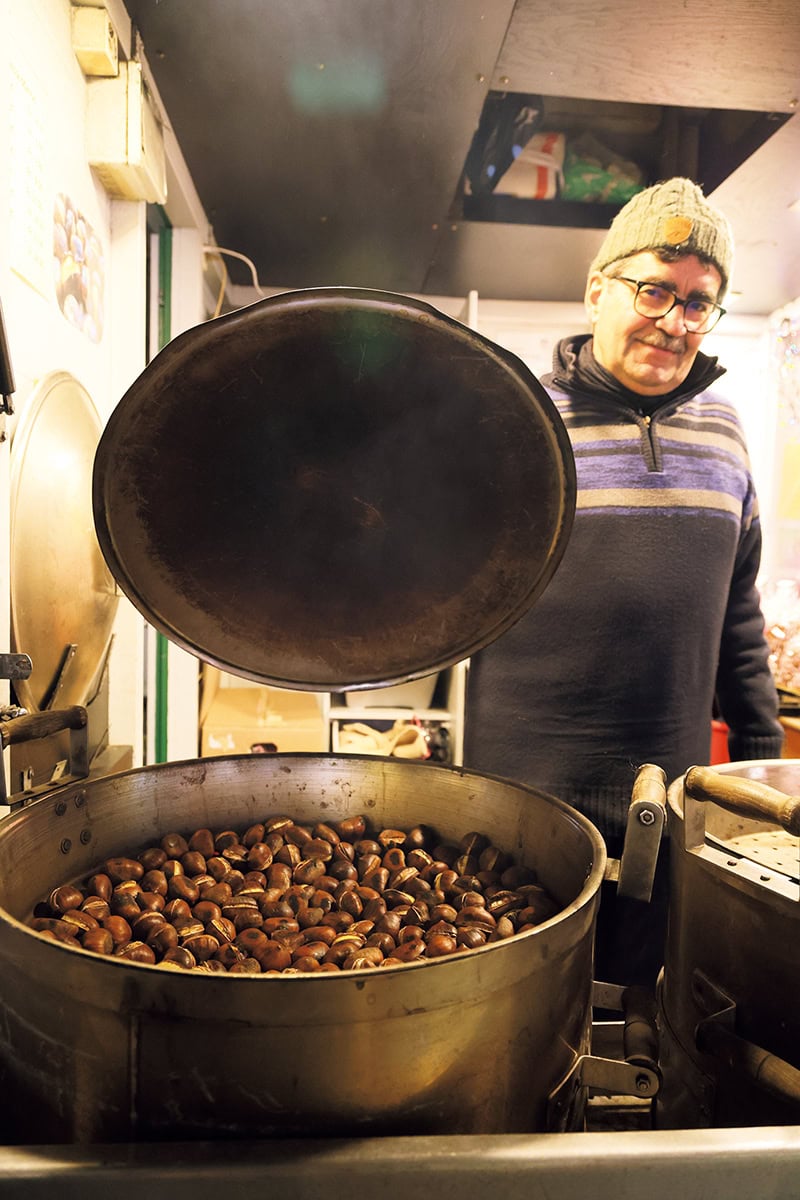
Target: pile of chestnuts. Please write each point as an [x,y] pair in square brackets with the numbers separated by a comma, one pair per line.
[283,897]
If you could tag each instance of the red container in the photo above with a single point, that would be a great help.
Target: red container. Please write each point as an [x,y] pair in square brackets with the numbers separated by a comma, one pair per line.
[719,743]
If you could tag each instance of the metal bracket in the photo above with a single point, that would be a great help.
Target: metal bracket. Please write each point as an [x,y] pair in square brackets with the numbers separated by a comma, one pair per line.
[609,1076]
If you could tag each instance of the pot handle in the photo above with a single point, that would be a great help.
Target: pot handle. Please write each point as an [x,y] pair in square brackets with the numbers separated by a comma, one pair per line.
[40,725]
[744,797]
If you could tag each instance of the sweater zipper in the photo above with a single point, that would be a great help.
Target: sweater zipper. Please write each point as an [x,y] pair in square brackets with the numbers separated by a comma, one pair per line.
[643,420]
[651,448]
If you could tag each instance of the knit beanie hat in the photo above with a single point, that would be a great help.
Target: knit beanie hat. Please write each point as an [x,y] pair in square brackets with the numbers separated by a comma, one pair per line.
[671,215]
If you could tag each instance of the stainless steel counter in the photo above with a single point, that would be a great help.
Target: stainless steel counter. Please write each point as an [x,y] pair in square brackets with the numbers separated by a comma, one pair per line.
[762,1164]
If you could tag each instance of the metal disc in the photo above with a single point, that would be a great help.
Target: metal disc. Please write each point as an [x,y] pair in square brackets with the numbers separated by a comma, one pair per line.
[63,597]
[334,488]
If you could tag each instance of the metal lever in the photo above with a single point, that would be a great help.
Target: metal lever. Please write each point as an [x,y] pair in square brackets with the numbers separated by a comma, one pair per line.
[643,832]
[15,666]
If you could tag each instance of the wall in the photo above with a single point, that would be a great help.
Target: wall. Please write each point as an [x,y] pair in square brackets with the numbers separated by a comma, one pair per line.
[100,335]
[42,143]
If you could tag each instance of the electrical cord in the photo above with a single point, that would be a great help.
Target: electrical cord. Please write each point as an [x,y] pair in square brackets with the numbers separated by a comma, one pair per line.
[222,286]
[220,250]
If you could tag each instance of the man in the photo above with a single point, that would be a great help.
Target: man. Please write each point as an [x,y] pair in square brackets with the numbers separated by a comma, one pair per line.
[652,616]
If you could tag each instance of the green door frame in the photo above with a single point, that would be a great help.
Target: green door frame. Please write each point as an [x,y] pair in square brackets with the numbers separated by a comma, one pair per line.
[158,223]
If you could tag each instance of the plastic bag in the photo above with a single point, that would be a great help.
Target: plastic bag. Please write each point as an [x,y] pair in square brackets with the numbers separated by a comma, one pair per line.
[594,173]
[403,740]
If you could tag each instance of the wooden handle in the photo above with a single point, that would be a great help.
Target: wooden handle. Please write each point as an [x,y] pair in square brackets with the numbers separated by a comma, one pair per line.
[41,725]
[650,785]
[744,797]
[765,1070]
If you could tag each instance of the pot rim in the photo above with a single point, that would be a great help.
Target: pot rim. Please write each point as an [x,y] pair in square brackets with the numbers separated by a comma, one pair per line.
[585,896]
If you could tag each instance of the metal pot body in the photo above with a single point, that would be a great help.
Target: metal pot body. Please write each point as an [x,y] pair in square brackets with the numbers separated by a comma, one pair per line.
[97,1050]
[729,1027]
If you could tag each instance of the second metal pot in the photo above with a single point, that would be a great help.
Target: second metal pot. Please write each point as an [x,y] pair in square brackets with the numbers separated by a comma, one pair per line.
[730,1035]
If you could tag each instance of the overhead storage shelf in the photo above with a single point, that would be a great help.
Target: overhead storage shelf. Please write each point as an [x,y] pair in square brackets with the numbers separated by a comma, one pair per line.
[640,142]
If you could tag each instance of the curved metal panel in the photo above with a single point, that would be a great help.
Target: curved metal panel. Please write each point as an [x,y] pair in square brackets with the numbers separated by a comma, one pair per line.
[63,598]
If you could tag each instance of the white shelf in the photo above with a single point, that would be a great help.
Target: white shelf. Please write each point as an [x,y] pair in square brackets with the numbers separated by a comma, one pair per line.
[347,712]
[450,713]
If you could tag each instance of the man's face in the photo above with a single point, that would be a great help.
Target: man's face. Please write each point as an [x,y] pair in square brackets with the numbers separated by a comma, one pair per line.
[647,356]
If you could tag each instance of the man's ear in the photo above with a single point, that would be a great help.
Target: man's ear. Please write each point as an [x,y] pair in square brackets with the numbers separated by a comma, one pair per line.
[594,290]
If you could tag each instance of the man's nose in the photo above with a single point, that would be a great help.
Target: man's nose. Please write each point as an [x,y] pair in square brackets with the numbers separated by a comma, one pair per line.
[674,322]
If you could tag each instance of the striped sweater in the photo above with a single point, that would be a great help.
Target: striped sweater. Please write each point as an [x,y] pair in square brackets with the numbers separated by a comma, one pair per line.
[652,613]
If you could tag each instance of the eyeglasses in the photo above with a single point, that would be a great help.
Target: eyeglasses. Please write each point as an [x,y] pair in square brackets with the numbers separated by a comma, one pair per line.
[654,301]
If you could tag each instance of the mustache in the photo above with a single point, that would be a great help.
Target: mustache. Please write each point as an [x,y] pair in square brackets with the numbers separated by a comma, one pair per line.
[662,341]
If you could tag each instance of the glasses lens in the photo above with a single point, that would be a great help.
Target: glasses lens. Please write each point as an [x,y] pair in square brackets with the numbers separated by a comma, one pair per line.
[653,301]
[700,315]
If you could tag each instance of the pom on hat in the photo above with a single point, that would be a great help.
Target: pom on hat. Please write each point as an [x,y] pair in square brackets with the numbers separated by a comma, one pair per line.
[671,215]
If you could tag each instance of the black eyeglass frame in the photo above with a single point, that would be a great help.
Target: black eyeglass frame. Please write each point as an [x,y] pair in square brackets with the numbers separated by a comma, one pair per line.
[717,311]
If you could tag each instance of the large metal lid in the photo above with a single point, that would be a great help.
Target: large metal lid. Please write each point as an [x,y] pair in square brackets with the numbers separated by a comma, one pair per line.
[63,598]
[334,488]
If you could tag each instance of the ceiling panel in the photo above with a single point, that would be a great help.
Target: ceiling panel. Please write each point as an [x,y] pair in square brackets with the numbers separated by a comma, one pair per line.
[326,138]
[716,53]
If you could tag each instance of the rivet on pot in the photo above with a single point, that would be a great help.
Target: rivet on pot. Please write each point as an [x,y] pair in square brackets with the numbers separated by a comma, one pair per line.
[66,846]
[86,837]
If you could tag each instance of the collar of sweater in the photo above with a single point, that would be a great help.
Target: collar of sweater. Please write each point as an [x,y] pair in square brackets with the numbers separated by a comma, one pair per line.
[576,369]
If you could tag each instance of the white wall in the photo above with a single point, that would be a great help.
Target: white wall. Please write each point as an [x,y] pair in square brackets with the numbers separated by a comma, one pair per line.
[42,147]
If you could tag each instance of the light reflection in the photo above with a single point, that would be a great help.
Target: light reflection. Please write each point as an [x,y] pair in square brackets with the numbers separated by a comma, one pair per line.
[347,85]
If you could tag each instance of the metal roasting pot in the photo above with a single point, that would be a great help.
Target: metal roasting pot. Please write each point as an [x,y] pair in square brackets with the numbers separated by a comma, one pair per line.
[729,1026]
[97,1050]
[328,490]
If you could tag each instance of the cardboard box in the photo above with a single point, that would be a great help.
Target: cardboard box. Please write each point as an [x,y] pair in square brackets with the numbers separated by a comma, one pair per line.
[239,718]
